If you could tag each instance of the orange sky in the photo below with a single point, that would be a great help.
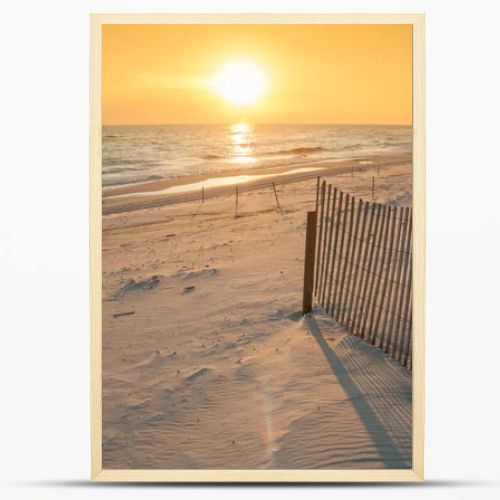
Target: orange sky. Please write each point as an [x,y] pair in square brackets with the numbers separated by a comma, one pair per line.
[157,74]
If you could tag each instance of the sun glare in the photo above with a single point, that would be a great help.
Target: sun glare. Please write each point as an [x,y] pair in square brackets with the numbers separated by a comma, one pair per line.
[240,82]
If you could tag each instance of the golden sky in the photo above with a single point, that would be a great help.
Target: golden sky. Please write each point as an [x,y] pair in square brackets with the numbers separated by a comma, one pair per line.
[159,74]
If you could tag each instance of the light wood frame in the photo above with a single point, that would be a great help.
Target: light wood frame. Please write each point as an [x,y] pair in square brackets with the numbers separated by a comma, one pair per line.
[407,475]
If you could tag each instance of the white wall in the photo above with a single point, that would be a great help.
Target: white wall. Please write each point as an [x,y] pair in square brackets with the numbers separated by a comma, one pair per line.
[44,362]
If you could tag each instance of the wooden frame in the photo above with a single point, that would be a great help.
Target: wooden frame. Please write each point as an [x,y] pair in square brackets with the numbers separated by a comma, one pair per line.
[414,474]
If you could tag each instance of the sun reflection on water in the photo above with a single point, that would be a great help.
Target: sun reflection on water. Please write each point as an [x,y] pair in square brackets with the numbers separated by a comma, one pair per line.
[240,143]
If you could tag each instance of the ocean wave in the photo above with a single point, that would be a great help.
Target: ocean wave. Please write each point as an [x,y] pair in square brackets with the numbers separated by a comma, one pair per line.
[139,154]
[131,180]
[303,150]
[297,151]
[213,156]
[119,161]
[117,165]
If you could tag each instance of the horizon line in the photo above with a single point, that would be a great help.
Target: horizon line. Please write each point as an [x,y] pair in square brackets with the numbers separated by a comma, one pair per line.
[257,123]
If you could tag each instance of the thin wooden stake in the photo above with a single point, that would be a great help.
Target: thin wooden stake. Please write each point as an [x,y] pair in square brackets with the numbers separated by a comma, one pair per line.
[202,194]
[393,259]
[398,292]
[355,238]
[407,290]
[373,188]
[367,294]
[358,278]
[384,272]
[368,267]
[276,196]
[347,259]
[319,246]
[377,270]
[236,208]
[409,343]
[324,242]
[338,215]
[364,276]
[329,248]
[340,256]
[309,262]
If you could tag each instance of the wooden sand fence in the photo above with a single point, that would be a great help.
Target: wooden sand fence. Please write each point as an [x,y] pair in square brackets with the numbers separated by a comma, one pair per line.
[360,271]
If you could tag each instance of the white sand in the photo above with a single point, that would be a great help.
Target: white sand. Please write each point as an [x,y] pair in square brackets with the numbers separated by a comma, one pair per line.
[228,374]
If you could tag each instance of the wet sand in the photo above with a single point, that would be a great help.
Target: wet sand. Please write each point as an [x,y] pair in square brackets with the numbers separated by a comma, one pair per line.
[150,194]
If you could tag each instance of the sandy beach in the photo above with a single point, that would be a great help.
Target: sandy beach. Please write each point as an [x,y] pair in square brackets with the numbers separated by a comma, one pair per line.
[207,360]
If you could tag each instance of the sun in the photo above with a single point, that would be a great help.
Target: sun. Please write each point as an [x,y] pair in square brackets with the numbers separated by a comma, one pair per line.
[240,82]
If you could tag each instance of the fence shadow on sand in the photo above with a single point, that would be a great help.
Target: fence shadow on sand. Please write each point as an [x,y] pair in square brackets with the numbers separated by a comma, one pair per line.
[379,391]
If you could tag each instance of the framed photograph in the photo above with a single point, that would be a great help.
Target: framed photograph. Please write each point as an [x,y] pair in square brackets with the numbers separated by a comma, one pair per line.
[257,247]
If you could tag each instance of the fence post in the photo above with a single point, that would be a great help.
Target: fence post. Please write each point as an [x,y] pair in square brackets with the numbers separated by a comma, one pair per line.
[276,195]
[236,207]
[309,262]
[317,192]
[373,188]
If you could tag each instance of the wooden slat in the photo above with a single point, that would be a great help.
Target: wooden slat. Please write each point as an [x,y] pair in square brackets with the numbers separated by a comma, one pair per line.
[407,352]
[329,247]
[347,260]
[403,224]
[401,275]
[384,272]
[318,244]
[372,328]
[374,269]
[407,292]
[369,269]
[360,264]
[391,268]
[337,217]
[356,243]
[324,242]
[340,257]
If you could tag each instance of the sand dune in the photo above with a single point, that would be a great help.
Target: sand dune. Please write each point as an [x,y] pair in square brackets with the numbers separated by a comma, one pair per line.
[216,367]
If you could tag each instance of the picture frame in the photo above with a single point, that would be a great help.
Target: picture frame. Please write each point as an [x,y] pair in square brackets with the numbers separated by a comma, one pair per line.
[416,473]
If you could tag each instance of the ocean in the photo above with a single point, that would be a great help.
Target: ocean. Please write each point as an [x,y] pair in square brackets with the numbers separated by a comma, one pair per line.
[135,154]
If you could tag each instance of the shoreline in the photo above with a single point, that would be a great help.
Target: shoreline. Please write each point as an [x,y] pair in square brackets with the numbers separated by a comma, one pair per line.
[147,195]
